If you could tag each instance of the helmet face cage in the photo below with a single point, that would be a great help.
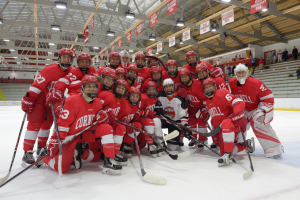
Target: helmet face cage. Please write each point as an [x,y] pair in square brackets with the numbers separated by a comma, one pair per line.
[88,79]
[134,90]
[124,84]
[84,56]
[167,82]
[209,81]
[65,51]
[239,68]
[183,72]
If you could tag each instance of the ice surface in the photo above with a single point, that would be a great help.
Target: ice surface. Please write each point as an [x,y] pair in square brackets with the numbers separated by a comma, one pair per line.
[195,177]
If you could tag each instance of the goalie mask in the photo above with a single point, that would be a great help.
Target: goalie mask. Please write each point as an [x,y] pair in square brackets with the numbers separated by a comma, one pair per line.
[241,73]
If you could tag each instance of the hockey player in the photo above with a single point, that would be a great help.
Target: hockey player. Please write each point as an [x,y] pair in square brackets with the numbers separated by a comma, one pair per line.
[34,102]
[83,62]
[107,78]
[114,62]
[143,72]
[227,110]
[121,73]
[195,101]
[172,72]
[79,112]
[125,58]
[173,107]
[152,62]
[131,74]
[156,74]
[259,109]
[191,58]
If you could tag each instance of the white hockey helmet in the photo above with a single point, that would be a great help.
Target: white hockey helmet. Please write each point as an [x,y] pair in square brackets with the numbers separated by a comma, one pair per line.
[124,53]
[168,81]
[241,67]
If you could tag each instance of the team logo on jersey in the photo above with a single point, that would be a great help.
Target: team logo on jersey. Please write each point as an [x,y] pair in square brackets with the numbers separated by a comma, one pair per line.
[139,80]
[244,97]
[84,121]
[127,118]
[215,111]
[169,111]
[192,98]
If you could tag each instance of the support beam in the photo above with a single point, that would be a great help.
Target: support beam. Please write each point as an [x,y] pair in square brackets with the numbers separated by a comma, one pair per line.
[236,40]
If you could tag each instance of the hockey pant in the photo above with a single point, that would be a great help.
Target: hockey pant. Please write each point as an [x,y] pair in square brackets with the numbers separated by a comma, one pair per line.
[197,124]
[39,125]
[129,138]
[264,133]
[159,125]
[103,132]
[229,138]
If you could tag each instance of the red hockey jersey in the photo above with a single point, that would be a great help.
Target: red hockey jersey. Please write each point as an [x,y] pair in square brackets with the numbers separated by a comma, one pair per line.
[109,101]
[147,104]
[159,86]
[143,74]
[127,112]
[195,94]
[192,70]
[176,80]
[252,92]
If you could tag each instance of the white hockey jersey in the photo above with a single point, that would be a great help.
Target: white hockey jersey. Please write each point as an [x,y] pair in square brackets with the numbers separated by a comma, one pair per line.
[175,109]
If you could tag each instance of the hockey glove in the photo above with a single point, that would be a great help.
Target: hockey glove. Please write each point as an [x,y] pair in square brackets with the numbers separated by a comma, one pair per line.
[53,146]
[27,103]
[102,117]
[158,108]
[112,119]
[187,133]
[137,115]
[130,130]
[182,93]
[204,114]
[239,120]
[54,97]
[57,111]
[150,114]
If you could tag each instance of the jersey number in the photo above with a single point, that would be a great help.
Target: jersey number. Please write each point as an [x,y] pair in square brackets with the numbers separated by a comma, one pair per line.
[262,88]
[228,97]
[40,79]
[72,77]
[65,114]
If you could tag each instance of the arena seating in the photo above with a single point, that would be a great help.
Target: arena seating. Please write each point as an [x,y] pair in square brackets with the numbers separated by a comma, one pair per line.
[14,91]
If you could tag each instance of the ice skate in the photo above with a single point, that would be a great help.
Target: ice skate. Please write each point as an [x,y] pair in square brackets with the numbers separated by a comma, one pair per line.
[192,143]
[126,151]
[111,167]
[28,158]
[121,160]
[42,153]
[226,159]
[152,150]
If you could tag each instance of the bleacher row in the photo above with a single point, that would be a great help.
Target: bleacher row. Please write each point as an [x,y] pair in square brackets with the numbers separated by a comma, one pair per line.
[277,78]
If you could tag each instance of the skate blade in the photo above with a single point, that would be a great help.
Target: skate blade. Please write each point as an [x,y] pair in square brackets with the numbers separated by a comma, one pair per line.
[122,163]
[111,171]
[155,179]
[24,164]
[224,164]
[247,175]
[125,154]
[183,154]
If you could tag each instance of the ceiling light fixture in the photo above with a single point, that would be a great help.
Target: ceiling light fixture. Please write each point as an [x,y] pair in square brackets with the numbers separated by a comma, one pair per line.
[265,10]
[131,51]
[51,44]
[152,38]
[60,5]
[110,33]
[49,52]
[96,47]
[55,27]
[227,1]
[6,40]
[1,21]
[180,23]
[129,15]
[12,50]
[181,42]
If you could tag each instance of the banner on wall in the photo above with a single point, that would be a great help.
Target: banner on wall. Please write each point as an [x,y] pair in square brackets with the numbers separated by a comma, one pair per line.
[153,19]
[227,17]
[205,27]
[92,22]
[128,36]
[97,58]
[159,47]
[149,51]
[112,48]
[186,35]
[258,5]
[172,41]
[139,28]
[106,53]
[171,7]
[133,58]
[120,42]
[86,34]
[101,56]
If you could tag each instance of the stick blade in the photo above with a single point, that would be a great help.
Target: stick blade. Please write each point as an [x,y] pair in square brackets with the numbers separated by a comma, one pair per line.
[183,154]
[155,179]
[2,180]
[198,114]
[247,175]
[172,135]
[59,165]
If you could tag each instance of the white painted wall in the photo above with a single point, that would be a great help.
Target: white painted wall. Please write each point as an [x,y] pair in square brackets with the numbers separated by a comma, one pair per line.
[17,74]
[289,46]
[289,103]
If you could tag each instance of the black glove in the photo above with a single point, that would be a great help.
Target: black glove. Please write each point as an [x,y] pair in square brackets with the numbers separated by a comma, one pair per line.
[158,109]
[187,133]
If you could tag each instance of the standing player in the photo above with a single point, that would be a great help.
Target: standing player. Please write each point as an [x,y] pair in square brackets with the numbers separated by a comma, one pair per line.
[152,62]
[172,73]
[259,109]
[156,74]
[195,101]
[173,107]
[191,58]
[34,102]
[107,78]
[143,72]
[125,58]
[79,112]
[131,74]
[227,109]
[114,62]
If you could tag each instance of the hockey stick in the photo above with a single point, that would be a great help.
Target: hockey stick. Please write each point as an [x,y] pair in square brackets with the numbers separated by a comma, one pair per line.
[165,138]
[213,132]
[2,180]
[36,162]
[198,115]
[159,60]
[249,173]
[147,177]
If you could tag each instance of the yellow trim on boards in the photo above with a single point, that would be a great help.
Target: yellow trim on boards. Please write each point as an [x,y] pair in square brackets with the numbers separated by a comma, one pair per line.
[286,109]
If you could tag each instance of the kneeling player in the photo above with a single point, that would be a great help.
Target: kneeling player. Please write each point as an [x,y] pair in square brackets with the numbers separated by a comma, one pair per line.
[79,112]
[227,110]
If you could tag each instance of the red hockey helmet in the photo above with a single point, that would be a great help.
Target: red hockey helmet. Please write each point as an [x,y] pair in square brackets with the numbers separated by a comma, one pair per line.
[155,69]
[65,51]
[108,72]
[140,55]
[133,90]
[208,81]
[114,54]
[121,82]
[89,79]
[190,53]
[121,70]
[132,66]
[83,56]
[153,55]
[184,71]
[150,84]
[171,62]
[208,65]
[216,72]
[201,67]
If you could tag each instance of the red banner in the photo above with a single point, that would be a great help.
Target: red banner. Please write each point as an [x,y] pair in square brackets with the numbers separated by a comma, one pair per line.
[258,5]
[153,19]
[92,22]
[101,56]
[112,48]
[128,36]
[86,34]
[139,28]
[120,42]
[171,6]
[149,51]
[73,49]
[106,54]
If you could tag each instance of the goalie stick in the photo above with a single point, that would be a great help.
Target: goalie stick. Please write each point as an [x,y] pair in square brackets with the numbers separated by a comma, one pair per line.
[249,173]
[147,177]
[165,138]
[36,162]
